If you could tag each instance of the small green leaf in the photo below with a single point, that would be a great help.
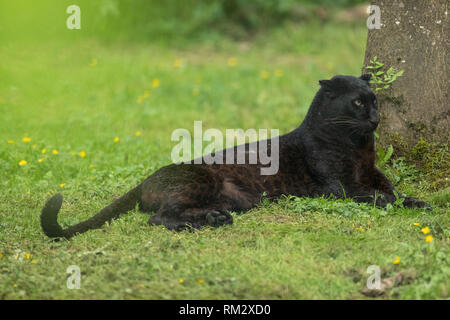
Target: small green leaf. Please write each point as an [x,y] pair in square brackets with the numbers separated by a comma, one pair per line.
[388,154]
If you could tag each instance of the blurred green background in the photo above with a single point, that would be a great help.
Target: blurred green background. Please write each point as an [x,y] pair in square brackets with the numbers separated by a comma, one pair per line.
[51,76]
[160,21]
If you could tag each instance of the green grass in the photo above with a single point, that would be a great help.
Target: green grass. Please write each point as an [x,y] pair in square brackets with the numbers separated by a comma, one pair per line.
[292,249]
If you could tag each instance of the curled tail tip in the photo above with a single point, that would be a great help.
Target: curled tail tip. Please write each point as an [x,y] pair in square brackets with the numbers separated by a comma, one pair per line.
[55,202]
[49,216]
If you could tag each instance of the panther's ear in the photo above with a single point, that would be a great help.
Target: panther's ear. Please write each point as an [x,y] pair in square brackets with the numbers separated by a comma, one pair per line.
[328,86]
[366,77]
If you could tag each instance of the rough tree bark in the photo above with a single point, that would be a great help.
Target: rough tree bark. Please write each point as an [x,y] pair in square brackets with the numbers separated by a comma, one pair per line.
[413,37]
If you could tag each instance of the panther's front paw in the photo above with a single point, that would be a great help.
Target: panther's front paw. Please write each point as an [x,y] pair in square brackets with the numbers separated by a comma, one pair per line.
[414,203]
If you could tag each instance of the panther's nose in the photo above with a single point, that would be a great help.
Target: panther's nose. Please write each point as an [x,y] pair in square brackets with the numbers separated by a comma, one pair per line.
[374,119]
[374,122]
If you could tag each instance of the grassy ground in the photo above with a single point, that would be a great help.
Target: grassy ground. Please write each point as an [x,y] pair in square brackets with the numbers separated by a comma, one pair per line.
[77,97]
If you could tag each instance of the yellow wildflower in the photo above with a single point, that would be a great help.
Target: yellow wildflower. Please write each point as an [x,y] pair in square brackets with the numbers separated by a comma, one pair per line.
[10,141]
[44,151]
[116,139]
[264,74]
[26,139]
[155,83]
[22,162]
[62,185]
[429,238]
[15,285]
[93,62]
[41,159]
[232,62]
[425,230]
[279,73]
[181,281]
[416,224]
[82,154]
[200,281]
[26,255]
[91,166]
[397,260]
[1,255]
[360,229]
[55,152]
[138,133]
[177,63]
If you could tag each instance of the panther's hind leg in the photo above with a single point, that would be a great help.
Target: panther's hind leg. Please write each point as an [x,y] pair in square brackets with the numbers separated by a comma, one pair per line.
[171,224]
[191,218]
[208,217]
[187,196]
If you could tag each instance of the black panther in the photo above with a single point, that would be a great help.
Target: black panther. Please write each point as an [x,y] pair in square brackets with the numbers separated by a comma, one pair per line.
[330,153]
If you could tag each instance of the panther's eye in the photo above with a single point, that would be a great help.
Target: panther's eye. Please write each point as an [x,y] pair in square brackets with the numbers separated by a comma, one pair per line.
[358,103]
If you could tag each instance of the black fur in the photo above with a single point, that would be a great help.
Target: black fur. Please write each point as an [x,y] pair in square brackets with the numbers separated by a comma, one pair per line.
[331,153]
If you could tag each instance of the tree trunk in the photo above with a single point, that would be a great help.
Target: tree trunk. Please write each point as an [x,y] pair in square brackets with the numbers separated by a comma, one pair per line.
[413,37]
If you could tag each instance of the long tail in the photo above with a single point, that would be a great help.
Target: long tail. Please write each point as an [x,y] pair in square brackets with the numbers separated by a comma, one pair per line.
[50,211]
